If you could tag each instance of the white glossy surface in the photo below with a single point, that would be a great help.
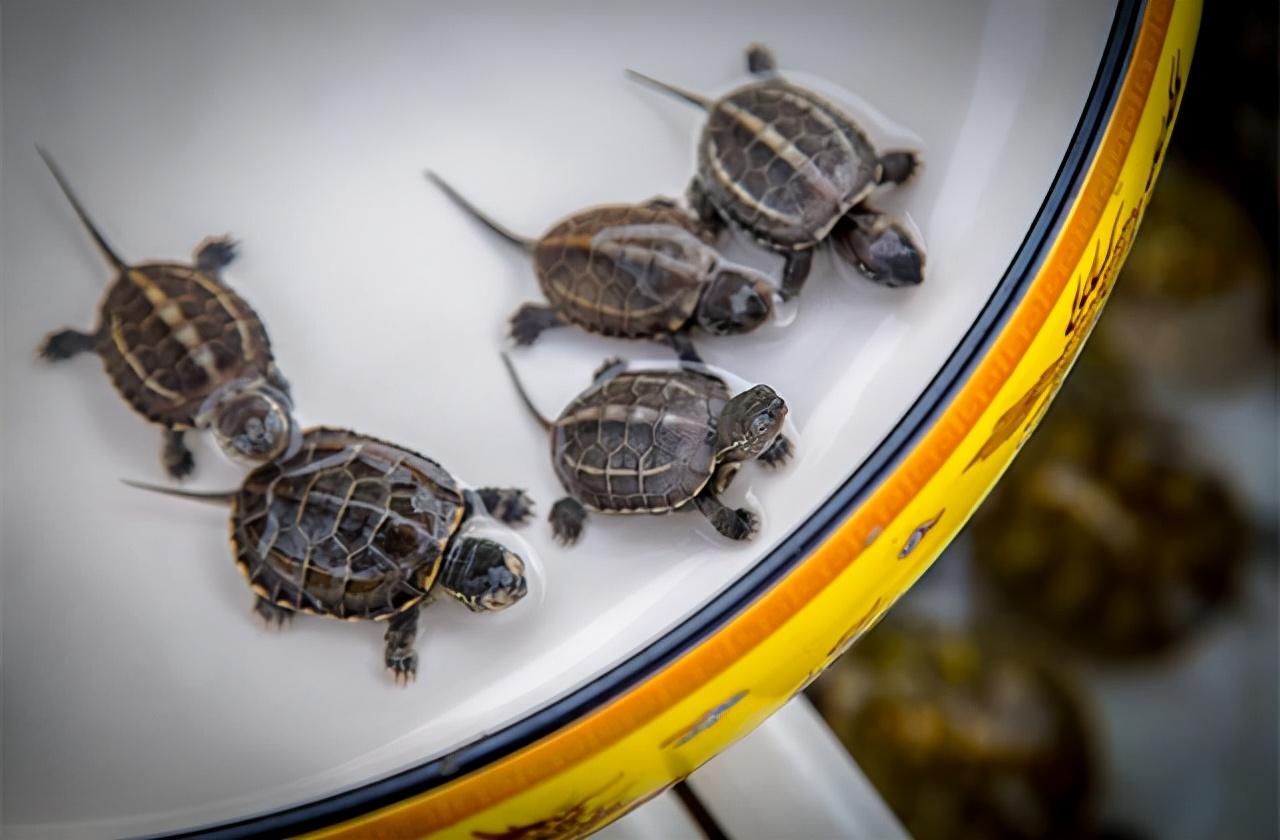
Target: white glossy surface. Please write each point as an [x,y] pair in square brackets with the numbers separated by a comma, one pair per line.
[139,693]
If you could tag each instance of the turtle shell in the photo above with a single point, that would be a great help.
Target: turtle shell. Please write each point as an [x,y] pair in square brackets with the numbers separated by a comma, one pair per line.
[171,335]
[350,526]
[640,442]
[626,270]
[783,162]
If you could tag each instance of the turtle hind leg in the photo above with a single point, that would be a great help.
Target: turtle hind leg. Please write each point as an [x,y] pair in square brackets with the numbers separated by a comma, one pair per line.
[214,253]
[738,525]
[271,613]
[897,167]
[531,320]
[880,246]
[703,207]
[506,504]
[64,344]
[400,657]
[760,60]
[177,458]
[795,272]
[567,518]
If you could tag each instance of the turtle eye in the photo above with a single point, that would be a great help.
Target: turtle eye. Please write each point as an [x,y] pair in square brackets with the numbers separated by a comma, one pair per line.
[760,425]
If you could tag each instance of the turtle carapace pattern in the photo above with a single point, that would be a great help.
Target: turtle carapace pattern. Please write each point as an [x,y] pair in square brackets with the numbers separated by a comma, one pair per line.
[648,270]
[657,441]
[792,169]
[185,351]
[357,528]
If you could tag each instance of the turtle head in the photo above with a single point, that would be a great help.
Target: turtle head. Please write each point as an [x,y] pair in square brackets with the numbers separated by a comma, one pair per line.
[882,249]
[254,423]
[484,575]
[737,300]
[749,424]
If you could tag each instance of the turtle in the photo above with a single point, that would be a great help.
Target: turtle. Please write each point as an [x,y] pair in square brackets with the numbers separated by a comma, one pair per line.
[357,528]
[791,169]
[184,350]
[656,441]
[646,270]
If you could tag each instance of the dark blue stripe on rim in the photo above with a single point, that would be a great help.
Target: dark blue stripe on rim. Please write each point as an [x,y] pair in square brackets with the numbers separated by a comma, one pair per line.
[798,545]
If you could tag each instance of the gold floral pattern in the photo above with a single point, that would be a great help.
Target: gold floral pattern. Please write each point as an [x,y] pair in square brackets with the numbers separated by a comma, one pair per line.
[1091,290]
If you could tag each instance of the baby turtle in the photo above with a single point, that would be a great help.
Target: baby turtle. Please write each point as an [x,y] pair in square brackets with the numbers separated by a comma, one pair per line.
[185,351]
[634,271]
[791,169]
[657,441]
[356,528]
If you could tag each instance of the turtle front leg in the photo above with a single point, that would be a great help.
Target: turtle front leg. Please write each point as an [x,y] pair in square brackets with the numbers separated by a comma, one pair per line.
[778,453]
[401,658]
[682,343]
[795,272]
[177,458]
[271,613]
[880,246]
[567,518]
[67,343]
[510,505]
[215,253]
[738,525]
[608,369]
[531,320]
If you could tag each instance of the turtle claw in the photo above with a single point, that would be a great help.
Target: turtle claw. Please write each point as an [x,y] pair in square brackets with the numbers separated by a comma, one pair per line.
[609,368]
[403,667]
[214,253]
[530,321]
[178,460]
[743,525]
[509,505]
[778,453]
[271,614]
[65,344]
[567,518]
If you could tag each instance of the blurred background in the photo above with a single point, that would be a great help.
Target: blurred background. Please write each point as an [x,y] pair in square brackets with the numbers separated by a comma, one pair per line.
[1096,655]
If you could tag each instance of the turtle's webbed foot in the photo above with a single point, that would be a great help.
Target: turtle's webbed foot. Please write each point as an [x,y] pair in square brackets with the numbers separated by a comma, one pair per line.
[567,518]
[530,321]
[507,504]
[272,614]
[738,525]
[215,252]
[403,666]
[898,167]
[177,458]
[65,344]
[609,368]
[778,453]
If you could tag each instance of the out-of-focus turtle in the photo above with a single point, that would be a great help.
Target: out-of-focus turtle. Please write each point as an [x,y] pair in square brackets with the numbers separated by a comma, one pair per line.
[356,528]
[792,169]
[967,736]
[657,441]
[185,351]
[634,271]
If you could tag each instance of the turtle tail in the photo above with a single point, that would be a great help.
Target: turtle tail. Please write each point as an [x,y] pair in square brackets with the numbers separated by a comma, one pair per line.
[223,498]
[514,238]
[101,241]
[680,93]
[524,395]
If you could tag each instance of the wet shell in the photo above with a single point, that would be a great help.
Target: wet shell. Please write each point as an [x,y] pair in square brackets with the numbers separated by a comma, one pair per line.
[350,527]
[784,163]
[625,270]
[171,335]
[640,442]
